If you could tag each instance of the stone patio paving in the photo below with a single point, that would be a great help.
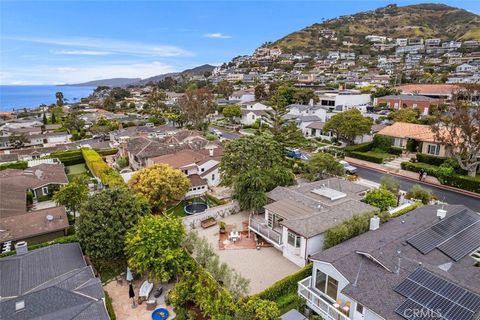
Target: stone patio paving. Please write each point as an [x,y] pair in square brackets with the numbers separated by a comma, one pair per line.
[122,304]
[263,267]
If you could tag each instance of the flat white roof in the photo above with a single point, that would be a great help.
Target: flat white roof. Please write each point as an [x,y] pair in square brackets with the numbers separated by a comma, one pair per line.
[329,193]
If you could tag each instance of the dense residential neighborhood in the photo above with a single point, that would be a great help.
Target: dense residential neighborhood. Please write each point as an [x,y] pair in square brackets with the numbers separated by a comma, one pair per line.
[332,174]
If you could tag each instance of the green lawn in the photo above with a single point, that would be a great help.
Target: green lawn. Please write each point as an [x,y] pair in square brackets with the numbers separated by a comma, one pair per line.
[77,169]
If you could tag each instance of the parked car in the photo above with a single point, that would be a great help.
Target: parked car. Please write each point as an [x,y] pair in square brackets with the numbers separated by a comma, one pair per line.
[216,132]
[348,167]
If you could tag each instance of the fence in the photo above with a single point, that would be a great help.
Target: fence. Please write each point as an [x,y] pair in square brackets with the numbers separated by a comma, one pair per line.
[221,211]
[36,162]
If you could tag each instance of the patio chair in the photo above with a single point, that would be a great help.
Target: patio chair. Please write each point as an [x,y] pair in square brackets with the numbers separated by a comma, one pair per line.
[346,307]
[337,304]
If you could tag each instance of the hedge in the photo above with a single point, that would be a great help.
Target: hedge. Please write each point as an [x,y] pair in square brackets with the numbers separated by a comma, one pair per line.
[286,285]
[108,304]
[362,147]
[21,165]
[426,158]
[411,207]
[371,156]
[72,157]
[66,239]
[100,169]
[451,179]
[395,150]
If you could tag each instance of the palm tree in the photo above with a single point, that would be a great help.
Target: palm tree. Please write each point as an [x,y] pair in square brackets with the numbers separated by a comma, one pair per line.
[59,96]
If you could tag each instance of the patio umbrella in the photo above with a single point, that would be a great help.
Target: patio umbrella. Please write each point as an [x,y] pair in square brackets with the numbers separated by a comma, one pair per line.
[129,276]
[131,293]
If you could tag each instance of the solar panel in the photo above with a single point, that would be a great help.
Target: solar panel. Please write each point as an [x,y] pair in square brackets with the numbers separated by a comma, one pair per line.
[463,243]
[435,298]
[442,231]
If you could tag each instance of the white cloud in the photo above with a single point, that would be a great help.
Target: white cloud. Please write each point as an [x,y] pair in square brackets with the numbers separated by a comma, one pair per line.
[110,45]
[66,74]
[82,52]
[217,35]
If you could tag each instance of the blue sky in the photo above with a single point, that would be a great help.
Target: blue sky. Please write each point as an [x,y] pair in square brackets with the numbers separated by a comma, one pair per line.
[44,42]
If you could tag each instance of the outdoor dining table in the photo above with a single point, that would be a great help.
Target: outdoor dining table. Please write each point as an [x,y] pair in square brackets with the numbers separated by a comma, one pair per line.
[234,236]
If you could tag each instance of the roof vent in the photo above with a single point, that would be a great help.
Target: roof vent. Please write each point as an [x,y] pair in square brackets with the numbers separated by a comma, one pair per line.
[21,247]
[374,223]
[49,217]
[441,213]
[20,305]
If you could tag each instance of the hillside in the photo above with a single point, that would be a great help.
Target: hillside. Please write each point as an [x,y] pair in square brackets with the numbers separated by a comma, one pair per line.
[422,20]
[114,82]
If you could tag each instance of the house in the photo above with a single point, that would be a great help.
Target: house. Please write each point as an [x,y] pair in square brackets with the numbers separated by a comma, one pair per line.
[417,266]
[53,282]
[419,135]
[200,166]
[344,98]
[242,96]
[435,91]
[296,218]
[402,101]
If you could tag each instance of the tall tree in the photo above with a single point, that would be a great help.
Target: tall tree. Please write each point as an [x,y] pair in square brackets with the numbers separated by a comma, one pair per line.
[154,246]
[459,128]
[405,115]
[156,100]
[73,122]
[44,119]
[59,97]
[104,220]
[322,164]
[349,124]
[53,118]
[73,195]
[18,140]
[260,92]
[232,111]
[160,184]
[196,104]
[224,89]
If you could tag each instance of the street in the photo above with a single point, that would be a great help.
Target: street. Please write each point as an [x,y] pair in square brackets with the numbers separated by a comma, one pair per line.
[443,195]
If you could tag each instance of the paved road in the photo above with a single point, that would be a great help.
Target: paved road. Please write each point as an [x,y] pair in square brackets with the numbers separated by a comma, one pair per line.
[444,195]
[227,134]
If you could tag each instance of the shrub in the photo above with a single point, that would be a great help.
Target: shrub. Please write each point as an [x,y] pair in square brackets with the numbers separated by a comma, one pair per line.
[362,147]
[122,162]
[426,158]
[419,193]
[101,170]
[20,165]
[381,198]
[411,207]
[371,156]
[463,182]
[382,142]
[395,150]
[390,183]
[286,285]
[108,304]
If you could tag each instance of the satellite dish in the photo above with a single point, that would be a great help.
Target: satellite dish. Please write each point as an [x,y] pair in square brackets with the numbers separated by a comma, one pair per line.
[49,217]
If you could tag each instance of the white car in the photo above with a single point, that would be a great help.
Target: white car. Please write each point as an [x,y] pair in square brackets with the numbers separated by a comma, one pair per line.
[216,132]
[348,167]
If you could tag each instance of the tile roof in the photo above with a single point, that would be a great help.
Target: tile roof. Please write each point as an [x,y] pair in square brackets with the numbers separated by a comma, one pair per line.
[197,181]
[409,130]
[371,284]
[428,89]
[51,290]
[316,125]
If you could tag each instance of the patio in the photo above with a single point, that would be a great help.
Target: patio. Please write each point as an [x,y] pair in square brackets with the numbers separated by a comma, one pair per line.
[122,304]
[262,267]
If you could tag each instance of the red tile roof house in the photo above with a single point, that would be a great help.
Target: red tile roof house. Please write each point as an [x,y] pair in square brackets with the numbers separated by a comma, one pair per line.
[16,222]
[419,134]
[404,101]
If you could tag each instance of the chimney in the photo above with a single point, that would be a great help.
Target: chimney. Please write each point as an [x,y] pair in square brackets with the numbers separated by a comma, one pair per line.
[374,223]
[21,248]
[441,213]
[210,152]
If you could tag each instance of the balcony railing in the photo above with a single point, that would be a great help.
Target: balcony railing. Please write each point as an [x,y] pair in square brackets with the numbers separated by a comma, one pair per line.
[260,226]
[319,301]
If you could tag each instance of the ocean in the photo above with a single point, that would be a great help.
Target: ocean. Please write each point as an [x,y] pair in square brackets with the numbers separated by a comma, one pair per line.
[17,97]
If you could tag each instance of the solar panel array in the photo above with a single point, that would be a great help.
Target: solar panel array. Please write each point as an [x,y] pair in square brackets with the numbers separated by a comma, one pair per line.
[431,297]
[456,236]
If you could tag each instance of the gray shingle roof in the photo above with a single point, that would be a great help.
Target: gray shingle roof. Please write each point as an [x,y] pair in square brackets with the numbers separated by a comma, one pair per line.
[54,282]
[371,284]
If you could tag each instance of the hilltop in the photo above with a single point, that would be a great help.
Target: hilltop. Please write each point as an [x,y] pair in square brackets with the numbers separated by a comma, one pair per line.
[421,20]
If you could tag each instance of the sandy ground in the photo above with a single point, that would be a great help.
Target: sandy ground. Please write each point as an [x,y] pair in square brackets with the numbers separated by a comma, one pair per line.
[263,267]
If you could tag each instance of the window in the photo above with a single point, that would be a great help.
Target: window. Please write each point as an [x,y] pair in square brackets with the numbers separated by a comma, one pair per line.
[326,284]
[433,149]
[213,176]
[397,142]
[332,287]
[360,308]
[293,240]
[45,191]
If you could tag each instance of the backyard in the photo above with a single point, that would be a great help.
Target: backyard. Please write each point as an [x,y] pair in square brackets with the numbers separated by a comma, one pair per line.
[77,169]
[178,209]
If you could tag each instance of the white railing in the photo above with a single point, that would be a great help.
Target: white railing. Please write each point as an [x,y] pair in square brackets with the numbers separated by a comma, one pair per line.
[317,302]
[261,228]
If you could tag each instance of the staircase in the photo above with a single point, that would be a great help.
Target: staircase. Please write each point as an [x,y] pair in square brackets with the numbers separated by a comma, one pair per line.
[395,163]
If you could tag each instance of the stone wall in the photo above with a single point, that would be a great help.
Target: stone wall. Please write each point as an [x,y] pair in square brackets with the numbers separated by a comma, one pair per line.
[222,211]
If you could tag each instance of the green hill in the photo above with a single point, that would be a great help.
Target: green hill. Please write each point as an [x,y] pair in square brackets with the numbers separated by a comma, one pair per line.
[422,20]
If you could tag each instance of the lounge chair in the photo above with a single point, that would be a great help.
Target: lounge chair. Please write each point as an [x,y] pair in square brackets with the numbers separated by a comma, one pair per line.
[145,290]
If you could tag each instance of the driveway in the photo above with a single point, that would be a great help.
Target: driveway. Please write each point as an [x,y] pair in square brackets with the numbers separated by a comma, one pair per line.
[262,267]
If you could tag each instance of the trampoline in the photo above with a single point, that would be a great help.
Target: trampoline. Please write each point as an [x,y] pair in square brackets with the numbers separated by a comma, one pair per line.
[160,314]
[196,207]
